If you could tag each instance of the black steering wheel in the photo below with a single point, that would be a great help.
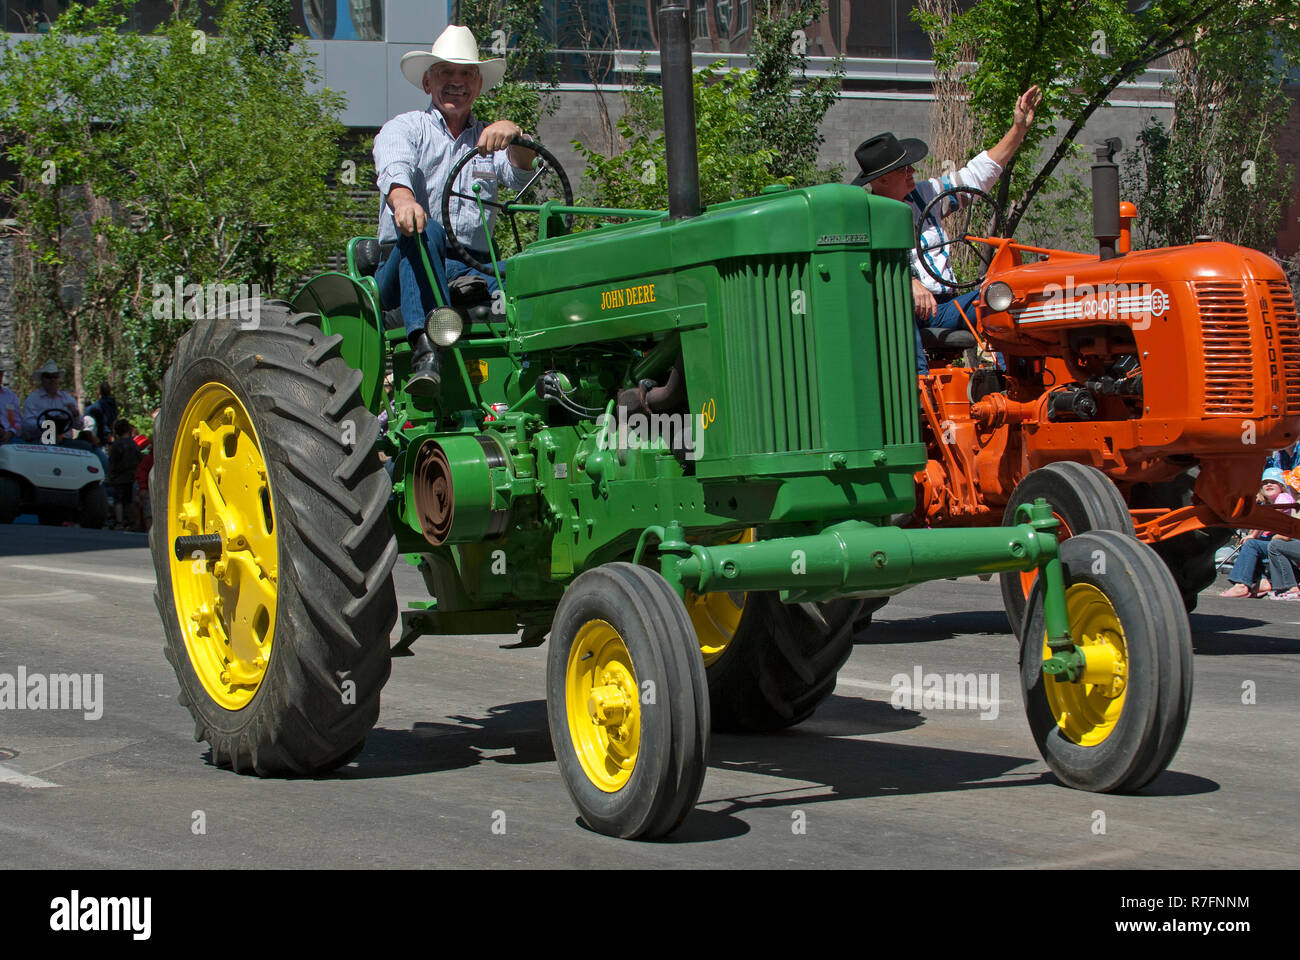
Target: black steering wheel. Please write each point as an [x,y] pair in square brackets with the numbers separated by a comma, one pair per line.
[60,417]
[967,259]
[546,163]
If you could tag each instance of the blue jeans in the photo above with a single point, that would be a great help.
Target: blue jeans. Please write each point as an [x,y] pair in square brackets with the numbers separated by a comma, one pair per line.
[1283,555]
[402,280]
[1246,569]
[946,317]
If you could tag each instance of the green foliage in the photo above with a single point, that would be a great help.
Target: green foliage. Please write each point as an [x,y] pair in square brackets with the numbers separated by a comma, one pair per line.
[1215,169]
[525,95]
[144,159]
[1079,53]
[786,104]
[732,164]
[754,127]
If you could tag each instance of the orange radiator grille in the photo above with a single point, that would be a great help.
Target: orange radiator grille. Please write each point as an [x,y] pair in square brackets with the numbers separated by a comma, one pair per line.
[1282,307]
[1225,331]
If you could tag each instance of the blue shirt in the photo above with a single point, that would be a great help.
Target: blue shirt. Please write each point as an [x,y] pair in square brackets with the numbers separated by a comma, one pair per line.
[417,151]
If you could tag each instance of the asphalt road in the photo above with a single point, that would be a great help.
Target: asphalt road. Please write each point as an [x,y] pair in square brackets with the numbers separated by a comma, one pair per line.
[462,747]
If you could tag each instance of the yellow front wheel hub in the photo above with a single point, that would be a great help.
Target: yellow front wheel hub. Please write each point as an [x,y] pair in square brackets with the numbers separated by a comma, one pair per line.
[1087,709]
[602,705]
[226,603]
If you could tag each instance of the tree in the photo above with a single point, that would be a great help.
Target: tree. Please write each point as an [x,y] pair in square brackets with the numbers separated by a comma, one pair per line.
[1214,169]
[144,161]
[753,127]
[787,105]
[731,163]
[513,29]
[1079,52]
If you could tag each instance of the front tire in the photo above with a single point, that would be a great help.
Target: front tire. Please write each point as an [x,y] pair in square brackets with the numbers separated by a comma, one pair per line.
[1116,733]
[1082,498]
[627,702]
[280,640]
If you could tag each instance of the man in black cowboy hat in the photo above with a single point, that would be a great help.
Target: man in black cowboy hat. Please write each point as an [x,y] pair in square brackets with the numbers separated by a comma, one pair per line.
[887,164]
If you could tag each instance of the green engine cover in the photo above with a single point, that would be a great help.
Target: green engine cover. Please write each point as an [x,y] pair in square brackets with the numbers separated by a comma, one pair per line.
[794,322]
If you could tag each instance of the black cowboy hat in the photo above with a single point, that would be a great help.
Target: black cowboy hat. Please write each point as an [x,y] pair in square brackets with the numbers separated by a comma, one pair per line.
[885,152]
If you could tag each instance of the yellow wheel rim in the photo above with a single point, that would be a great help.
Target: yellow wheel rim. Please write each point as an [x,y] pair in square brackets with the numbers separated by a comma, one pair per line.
[603,706]
[218,485]
[716,616]
[1087,710]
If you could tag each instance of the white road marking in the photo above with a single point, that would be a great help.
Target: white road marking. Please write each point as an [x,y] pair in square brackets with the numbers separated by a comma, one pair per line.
[64,595]
[23,780]
[65,571]
[874,685]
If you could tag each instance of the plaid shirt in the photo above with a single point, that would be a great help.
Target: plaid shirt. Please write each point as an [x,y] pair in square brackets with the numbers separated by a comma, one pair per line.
[416,150]
[982,172]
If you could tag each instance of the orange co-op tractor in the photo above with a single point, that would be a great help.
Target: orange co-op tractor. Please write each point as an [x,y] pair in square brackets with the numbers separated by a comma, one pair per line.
[1142,390]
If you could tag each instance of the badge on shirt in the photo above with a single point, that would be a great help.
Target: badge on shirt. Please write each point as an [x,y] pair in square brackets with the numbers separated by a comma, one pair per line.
[482,169]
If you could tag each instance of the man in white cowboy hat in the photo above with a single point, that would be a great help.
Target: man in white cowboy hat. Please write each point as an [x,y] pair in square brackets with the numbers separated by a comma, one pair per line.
[414,154]
[47,397]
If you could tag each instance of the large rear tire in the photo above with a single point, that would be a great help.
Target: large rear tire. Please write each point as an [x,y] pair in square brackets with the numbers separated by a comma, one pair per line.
[279,635]
[627,702]
[1189,556]
[781,662]
[1082,498]
[1117,727]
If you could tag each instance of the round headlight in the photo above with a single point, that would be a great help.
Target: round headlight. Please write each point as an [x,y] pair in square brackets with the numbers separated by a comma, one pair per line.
[443,325]
[998,296]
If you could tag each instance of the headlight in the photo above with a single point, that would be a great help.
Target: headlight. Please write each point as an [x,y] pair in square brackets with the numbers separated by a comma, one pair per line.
[998,296]
[443,325]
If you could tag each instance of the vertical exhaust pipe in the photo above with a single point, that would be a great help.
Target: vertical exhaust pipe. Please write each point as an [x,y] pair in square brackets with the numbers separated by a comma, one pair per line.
[1105,198]
[679,112]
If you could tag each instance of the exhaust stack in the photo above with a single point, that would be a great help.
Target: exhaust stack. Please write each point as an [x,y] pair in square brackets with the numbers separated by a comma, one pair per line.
[679,112]
[1105,198]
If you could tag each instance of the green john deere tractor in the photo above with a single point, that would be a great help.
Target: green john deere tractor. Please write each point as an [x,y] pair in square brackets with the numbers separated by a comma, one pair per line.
[675,448]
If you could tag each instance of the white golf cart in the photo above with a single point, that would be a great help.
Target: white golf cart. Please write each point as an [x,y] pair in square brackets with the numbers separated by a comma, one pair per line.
[54,482]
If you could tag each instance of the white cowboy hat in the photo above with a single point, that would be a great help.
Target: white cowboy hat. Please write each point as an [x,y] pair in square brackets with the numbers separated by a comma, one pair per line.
[50,367]
[456,45]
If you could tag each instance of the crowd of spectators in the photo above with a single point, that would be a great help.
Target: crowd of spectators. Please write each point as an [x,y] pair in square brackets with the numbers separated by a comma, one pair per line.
[1266,562]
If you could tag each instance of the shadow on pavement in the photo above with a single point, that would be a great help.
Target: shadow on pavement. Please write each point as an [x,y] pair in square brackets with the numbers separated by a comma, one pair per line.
[1212,635]
[940,626]
[19,540]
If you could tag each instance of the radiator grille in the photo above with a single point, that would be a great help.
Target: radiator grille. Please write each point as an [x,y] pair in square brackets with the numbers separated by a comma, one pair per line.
[897,345]
[771,356]
[1225,329]
[1282,308]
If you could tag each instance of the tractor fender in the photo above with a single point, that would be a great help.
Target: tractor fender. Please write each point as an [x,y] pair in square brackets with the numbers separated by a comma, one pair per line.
[351,310]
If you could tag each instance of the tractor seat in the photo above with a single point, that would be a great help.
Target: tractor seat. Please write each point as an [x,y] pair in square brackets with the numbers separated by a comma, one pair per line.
[369,254]
[469,297]
[943,339]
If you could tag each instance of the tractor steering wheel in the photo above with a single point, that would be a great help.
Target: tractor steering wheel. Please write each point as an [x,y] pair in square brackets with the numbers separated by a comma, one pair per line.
[60,417]
[967,259]
[547,163]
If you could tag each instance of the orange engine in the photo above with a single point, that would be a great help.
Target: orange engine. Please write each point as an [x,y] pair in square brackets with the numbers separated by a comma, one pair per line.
[1142,365]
